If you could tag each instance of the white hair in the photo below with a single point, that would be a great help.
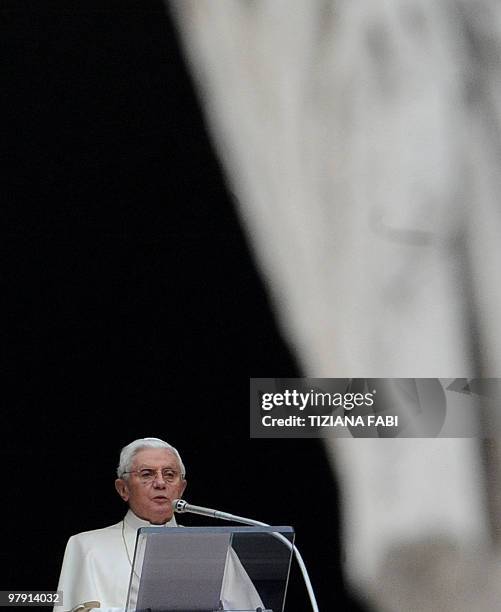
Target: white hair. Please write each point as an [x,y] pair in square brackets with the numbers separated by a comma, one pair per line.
[128,453]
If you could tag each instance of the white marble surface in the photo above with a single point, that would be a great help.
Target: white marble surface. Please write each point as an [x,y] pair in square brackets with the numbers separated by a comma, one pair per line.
[362,142]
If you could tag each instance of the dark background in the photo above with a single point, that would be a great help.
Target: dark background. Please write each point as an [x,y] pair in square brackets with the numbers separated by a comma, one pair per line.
[132,305]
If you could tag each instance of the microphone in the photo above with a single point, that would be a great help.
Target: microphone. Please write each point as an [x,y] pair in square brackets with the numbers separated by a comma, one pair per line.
[180,506]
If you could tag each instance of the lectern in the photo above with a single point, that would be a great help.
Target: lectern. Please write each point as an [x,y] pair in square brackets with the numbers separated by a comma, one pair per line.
[207,569]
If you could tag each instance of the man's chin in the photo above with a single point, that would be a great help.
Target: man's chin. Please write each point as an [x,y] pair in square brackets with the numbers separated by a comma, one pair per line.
[156,515]
[159,518]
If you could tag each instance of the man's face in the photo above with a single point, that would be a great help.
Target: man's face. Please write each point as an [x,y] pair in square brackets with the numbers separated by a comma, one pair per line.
[151,501]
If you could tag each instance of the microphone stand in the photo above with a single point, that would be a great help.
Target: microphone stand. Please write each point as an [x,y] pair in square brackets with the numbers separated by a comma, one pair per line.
[182,506]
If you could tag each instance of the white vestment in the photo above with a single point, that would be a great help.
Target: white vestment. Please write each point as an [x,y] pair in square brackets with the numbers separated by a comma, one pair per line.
[97,567]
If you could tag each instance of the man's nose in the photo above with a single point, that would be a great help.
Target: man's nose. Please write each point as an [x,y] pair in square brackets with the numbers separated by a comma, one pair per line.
[159,480]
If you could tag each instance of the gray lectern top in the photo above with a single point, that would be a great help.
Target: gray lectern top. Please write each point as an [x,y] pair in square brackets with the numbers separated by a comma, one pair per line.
[207,569]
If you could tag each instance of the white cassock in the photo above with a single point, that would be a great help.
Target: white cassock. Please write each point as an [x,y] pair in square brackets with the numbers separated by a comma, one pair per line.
[97,567]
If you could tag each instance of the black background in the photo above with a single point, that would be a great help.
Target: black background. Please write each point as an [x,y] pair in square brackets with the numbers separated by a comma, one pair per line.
[132,305]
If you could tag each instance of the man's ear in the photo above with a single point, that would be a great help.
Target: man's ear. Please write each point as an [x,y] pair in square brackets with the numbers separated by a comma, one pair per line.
[122,488]
[183,487]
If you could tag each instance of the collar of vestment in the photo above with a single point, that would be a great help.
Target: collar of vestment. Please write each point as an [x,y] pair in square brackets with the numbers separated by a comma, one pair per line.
[134,522]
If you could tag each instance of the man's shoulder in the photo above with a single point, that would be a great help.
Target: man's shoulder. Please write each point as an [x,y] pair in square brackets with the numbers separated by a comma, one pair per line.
[89,538]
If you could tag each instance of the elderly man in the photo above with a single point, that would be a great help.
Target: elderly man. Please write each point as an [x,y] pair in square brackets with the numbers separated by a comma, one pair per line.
[97,564]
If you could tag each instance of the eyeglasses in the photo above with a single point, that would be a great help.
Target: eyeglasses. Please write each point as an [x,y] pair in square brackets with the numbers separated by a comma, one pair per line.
[148,475]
